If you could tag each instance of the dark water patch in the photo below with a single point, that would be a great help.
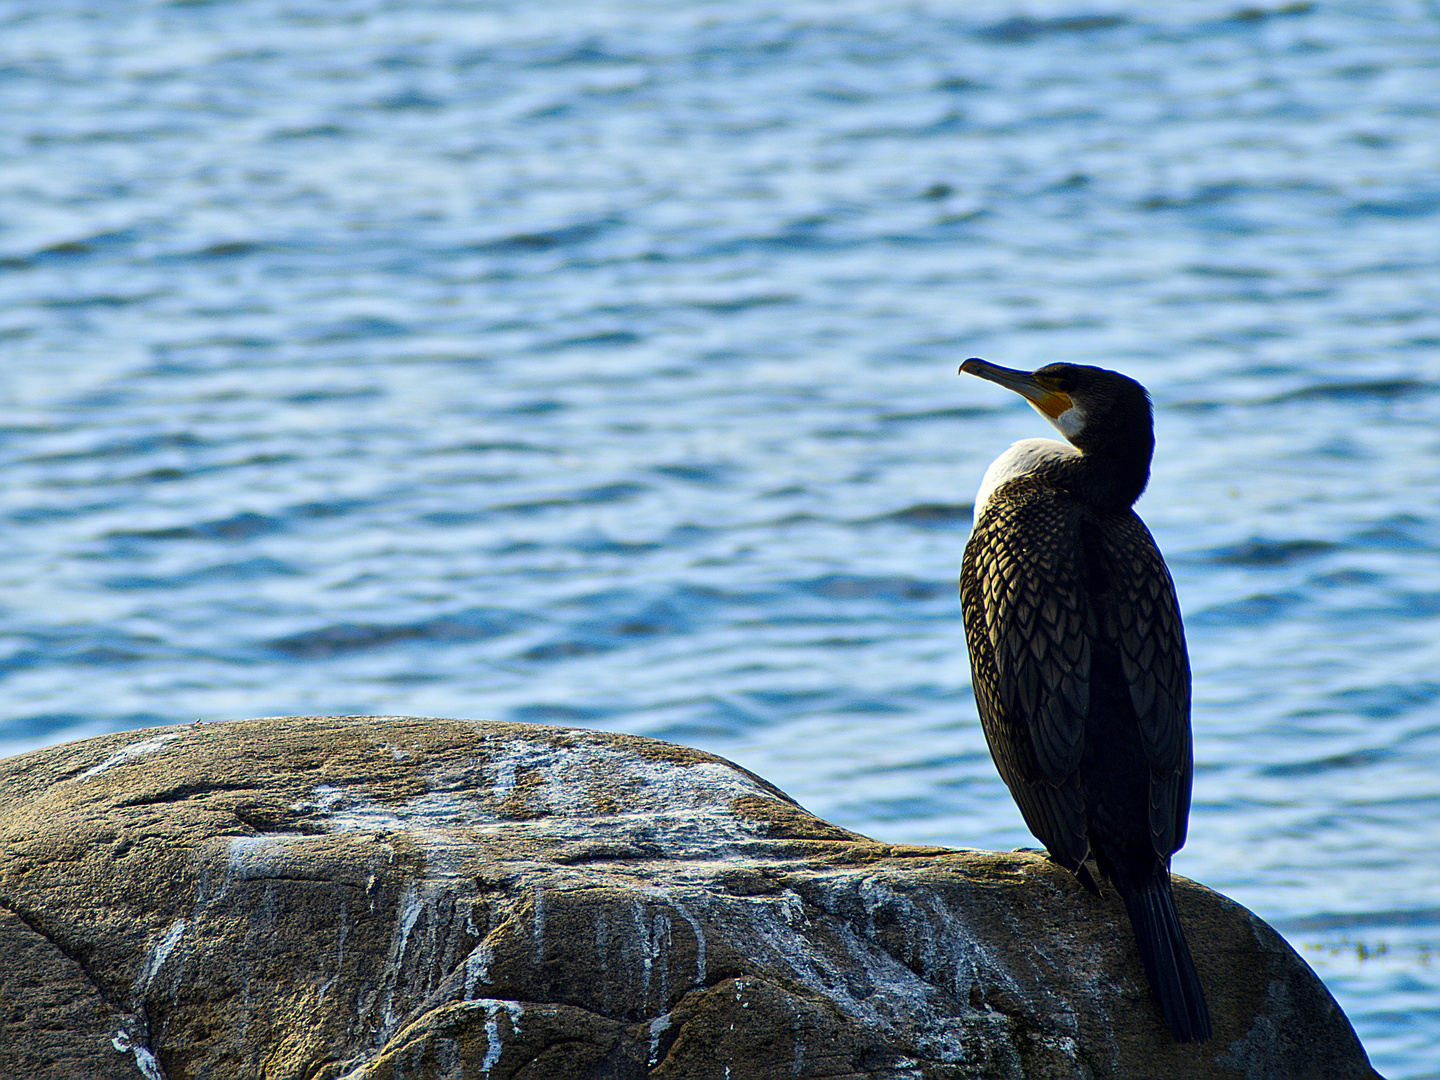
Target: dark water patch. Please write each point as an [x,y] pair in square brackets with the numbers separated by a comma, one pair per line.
[97,300]
[331,509]
[858,587]
[1415,204]
[609,339]
[1257,14]
[593,51]
[122,448]
[42,725]
[1258,551]
[1358,759]
[53,726]
[600,544]
[315,397]
[1387,701]
[1381,389]
[962,412]
[1204,196]
[1412,604]
[930,515]
[100,243]
[1023,29]
[695,473]
[542,407]
[247,570]
[566,649]
[872,707]
[219,342]
[496,447]
[451,519]
[839,643]
[596,496]
[360,328]
[242,526]
[1399,532]
[619,618]
[580,232]
[1232,273]
[314,131]
[1341,920]
[1346,578]
[1257,610]
[86,645]
[225,249]
[341,639]
[793,519]
[409,100]
[744,303]
[27,515]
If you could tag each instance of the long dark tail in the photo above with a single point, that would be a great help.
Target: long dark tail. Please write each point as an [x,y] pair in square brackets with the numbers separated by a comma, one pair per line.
[1166,957]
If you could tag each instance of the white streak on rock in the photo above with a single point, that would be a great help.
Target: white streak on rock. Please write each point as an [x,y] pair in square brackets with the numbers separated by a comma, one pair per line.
[494,1045]
[125,753]
[683,912]
[658,1027]
[145,1061]
[156,960]
[537,925]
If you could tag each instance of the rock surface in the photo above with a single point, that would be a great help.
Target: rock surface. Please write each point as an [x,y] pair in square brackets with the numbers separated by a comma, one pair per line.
[371,898]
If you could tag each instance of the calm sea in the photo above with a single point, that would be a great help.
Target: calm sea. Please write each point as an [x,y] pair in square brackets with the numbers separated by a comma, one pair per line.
[593,363]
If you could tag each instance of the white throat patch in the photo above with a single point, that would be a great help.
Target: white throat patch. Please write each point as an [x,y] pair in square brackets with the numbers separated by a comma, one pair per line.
[1069,423]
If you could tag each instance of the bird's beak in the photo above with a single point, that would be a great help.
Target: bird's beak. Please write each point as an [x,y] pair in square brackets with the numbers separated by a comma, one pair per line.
[1047,399]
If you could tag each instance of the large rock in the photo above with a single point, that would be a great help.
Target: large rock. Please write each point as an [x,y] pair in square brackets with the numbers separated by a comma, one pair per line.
[384,897]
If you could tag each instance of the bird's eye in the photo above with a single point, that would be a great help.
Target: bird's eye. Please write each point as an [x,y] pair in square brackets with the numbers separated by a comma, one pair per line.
[1063,383]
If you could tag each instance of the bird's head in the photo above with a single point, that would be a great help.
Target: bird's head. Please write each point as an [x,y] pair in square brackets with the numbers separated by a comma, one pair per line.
[1097,410]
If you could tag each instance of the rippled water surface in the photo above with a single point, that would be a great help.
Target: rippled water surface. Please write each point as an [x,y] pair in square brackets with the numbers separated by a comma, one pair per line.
[594,363]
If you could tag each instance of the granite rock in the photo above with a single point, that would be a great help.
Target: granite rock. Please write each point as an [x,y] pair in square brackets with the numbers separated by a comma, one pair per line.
[368,898]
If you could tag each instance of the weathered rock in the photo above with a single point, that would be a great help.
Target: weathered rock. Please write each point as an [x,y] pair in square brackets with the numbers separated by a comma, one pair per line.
[381,897]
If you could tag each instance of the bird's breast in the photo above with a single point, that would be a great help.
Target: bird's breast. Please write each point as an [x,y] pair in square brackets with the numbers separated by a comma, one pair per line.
[1023,458]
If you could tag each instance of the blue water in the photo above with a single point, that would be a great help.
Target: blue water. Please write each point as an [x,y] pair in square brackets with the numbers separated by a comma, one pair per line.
[594,363]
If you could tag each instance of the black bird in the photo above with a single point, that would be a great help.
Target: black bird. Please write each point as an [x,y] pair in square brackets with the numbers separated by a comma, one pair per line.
[1078,654]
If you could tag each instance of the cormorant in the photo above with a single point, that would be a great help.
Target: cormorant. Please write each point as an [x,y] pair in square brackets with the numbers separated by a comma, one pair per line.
[1078,653]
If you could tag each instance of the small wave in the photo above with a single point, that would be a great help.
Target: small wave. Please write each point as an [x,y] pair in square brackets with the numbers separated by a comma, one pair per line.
[1328,920]
[111,451]
[1258,551]
[929,515]
[1358,759]
[248,570]
[694,473]
[606,493]
[1022,29]
[743,303]
[480,624]
[1251,611]
[600,339]
[962,412]
[857,587]
[359,328]
[241,526]
[547,240]
[1383,389]
[1389,700]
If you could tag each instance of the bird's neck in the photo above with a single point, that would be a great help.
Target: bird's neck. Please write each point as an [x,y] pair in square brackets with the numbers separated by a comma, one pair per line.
[1110,480]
